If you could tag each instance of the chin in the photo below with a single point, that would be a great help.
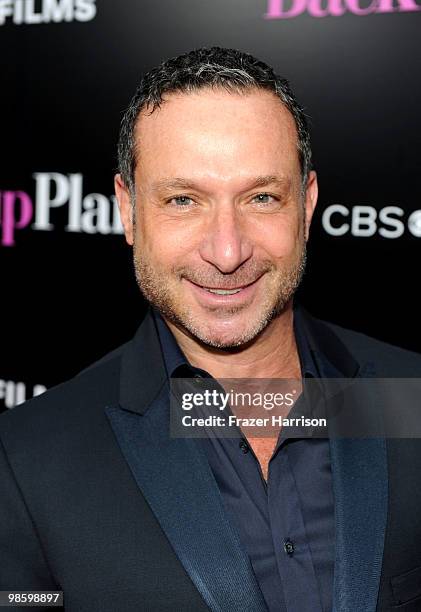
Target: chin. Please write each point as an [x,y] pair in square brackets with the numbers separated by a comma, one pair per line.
[225,334]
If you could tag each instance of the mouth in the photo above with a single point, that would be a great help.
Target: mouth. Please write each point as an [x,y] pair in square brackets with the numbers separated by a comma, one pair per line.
[223,291]
[224,295]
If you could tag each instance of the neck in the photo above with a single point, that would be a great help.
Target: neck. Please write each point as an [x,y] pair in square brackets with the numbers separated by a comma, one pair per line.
[273,354]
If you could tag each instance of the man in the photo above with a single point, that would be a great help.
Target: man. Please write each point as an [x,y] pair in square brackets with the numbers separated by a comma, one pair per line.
[216,195]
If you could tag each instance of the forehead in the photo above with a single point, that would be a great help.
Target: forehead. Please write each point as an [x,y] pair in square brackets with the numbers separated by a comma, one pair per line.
[221,131]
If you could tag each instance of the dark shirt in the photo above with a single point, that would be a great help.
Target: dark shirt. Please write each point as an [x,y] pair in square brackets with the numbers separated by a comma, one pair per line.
[286,525]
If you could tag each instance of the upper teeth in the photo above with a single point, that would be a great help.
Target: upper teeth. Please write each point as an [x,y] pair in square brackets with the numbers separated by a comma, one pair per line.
[224,291]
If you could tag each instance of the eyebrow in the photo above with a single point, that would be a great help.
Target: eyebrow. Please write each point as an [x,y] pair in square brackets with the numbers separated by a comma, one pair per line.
[185,183]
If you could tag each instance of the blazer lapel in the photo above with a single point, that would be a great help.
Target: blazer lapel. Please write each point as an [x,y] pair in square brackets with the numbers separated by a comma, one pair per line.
[359,471]
[175,478]
[360,486]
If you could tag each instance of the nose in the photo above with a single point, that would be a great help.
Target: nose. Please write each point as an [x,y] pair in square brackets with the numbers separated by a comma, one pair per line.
[225,243]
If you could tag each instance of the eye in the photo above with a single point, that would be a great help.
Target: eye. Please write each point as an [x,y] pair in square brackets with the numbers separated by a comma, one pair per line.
[180,200]
[264,198]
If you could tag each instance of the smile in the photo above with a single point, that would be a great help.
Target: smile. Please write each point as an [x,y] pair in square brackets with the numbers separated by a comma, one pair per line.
[223,291]
[224,295]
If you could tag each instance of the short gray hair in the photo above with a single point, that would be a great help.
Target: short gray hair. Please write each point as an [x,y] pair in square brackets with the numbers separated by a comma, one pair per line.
[216,67]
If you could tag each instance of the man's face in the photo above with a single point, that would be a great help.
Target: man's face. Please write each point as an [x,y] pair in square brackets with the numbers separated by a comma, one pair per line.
[220,218]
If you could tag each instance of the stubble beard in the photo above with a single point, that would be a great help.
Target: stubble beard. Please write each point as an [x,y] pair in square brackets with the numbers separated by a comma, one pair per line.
[159,289]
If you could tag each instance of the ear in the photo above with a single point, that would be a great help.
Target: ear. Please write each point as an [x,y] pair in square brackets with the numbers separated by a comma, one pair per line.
[125,207]
[312,191]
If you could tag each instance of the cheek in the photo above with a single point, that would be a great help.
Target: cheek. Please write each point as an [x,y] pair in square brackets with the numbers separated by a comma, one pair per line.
[279,238]
[167,240]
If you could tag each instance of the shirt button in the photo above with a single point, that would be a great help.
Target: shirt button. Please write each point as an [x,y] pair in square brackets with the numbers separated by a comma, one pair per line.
[289,547]
[244,446]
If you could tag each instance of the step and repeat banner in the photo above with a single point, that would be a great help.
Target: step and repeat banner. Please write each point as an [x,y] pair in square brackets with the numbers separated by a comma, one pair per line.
[69,68]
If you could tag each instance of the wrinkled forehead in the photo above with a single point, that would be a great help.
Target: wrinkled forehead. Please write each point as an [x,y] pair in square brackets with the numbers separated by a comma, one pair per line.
[214,123]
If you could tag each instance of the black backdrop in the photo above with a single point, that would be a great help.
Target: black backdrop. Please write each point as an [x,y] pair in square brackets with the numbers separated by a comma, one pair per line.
[69,69]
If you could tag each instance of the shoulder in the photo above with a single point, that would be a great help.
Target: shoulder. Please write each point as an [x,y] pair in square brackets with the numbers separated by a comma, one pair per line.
[73,403]
[387,359]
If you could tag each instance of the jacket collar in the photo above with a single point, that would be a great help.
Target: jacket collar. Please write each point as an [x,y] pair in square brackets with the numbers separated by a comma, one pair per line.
[143,360]
[333,358]
[143,373]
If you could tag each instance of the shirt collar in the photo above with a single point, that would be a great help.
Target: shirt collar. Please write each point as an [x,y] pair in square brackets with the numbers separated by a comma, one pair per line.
[177,364]
[174,357]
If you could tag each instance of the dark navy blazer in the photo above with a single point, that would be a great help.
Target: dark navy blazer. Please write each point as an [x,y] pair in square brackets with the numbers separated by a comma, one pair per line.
[98,500]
